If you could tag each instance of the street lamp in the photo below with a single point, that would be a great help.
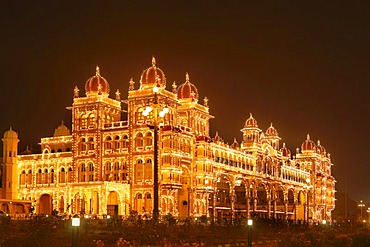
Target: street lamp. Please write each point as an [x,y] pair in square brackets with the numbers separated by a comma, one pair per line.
[155,106]
[361,205]
[368,213]
[75,227]
[250,223]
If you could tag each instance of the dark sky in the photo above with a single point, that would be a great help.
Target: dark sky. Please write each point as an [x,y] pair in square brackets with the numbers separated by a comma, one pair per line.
[302,66]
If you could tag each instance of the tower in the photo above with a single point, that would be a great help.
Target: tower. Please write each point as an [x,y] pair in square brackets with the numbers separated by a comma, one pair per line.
[9,172]
[251,134]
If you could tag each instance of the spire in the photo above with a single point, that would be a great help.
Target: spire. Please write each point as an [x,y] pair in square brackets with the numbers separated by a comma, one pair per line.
[308,136]
[318,143]
[271,125]
[132,83]
[283,144]
[76,90]
[118,95]
[205,101]
[97,70]
[187,77]
[174,87]
[153,61]
[250,115]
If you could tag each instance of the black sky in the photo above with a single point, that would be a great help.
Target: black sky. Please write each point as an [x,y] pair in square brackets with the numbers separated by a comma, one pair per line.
[303,66]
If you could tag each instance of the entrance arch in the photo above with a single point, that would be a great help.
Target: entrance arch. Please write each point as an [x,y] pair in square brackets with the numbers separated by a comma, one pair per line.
[112,203]
[45,204]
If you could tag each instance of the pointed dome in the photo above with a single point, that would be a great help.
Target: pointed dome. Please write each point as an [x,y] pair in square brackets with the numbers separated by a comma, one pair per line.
[97,84]
[187,90]
[320,149]
[251,122]
[10,134]
[152,76]
[285,151]
[62,130]
[271,131]
[308,145]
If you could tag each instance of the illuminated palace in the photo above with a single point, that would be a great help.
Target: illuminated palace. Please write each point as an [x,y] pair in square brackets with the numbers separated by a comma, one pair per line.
[105,165]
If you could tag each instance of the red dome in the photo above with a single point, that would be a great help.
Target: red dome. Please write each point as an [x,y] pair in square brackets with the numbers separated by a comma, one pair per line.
[217,138]
[152,76]
[308,145]
[187,90]
[271,131]
[320,149]
[97,84]
[235,144]
[251,122]
[285,151]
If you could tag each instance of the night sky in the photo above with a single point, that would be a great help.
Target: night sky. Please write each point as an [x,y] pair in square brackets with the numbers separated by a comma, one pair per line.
[302,66]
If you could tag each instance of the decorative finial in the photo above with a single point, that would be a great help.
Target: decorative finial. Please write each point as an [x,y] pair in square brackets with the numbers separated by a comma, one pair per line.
[205,101]
[250,115]
[153,61]
[174,87]
[297,150]
[318,143]
[97,71]
[76,90]
[271,125]
[62,122]
[118,95]
[132,83]
[187,77]
[284,145]
[308,136]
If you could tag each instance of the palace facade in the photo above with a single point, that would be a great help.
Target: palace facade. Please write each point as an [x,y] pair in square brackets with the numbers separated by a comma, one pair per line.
[104,165]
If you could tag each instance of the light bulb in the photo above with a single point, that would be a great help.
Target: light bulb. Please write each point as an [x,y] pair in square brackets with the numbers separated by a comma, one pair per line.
[165,110]
[148,108]
[145,113]
[161,114]
[155,89]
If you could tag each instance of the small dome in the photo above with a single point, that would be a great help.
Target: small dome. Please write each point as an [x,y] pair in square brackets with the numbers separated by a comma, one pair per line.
[235,144]
[308,145]
[152,76]
[62,130]
[320,149]
[271,131]
[10,134]
[187,90]
[97,84]
[285,151]
[251,122]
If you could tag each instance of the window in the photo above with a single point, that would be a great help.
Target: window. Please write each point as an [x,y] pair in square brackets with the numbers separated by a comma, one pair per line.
[139,140]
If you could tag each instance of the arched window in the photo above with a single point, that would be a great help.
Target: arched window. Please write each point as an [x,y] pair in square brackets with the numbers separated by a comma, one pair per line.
[108,171]
[148,169]
[148,140]
[83,121]
[116,144]
[139,171]
[62,175]
[91,172]
[46,176]
[69,175]
[139,140]
[23,177]
[83,146]
[91,120]
[39,177]
[52,176]
[125,141]
[108,143]
[29,177]
[83,172]
[90,144]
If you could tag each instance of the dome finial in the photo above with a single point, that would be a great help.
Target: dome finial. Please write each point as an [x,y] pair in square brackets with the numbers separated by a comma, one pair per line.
[187,77]
[205,101]
[284,145]
[118,95]
[308,136]
[132,83]
[174,87]
[153,61]
[318,142]
[250,115]
[76,90]
[97,70]
[271,125]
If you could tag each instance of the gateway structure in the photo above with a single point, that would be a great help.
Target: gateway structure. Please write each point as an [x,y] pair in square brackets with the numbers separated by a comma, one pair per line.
[104,165]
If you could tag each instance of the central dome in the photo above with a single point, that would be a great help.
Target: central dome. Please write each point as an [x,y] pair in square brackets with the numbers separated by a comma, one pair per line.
[187,90]
[152,76]
[308,145]
[97,84]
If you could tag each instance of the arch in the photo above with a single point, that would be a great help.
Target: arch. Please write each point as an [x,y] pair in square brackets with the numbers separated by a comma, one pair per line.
[148,139]
[139,171]
[45,204]
[139,141]
[112,203]
[148,169]
[138,202]
[125,142]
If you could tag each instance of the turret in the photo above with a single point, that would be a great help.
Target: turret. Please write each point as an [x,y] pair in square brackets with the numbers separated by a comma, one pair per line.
[9,169]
